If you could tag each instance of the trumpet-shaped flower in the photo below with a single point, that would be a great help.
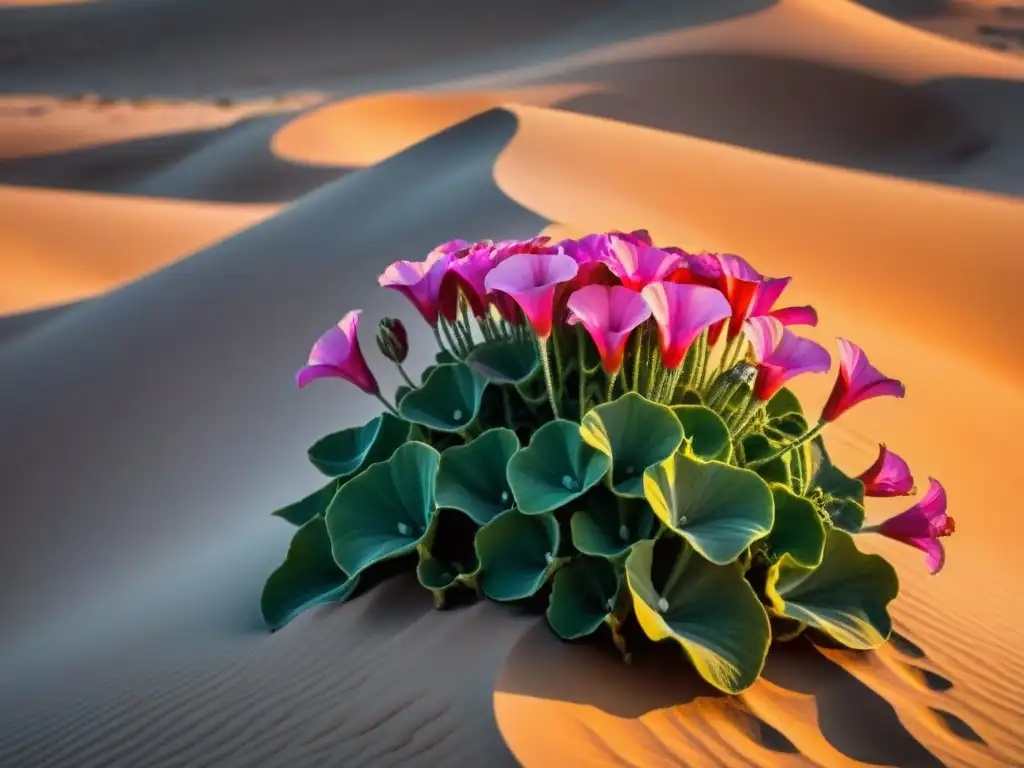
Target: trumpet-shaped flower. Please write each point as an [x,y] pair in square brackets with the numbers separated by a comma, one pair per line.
[420,281]
[465,274]
[530,280]
[768,293]
[781,355]
[682,311]
[858,380]
[609,313]
[888,476]
[639,265]
[336,354]
[922,526]
[739,282]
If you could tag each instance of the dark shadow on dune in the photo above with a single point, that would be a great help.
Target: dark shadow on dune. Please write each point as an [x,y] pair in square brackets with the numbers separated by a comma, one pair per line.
[185,402]
[935,681]
[852,717]
[18,326]
[957,726]
[906,646]
[907,9]
[233,164]
[195,47]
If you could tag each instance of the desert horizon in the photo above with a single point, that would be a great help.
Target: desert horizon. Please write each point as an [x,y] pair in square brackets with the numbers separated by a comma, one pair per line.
[192,192]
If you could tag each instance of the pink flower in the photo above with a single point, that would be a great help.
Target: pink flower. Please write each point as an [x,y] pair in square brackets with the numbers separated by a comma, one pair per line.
[336,354]
[640,265]
[587,250]
[420,281]
[638,237]
[682,312]
[739,283]
[781,355]
[609,314]
[530,280]
[768,293]
[506,248]
[858,380]
[888,476]
[922,526]
[466,272]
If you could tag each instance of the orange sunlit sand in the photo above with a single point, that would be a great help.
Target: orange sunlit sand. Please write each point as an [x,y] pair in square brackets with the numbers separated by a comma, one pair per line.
[148,430]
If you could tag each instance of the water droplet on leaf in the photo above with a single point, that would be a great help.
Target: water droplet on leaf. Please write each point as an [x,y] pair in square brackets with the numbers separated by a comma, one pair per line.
[682,518]
[457,415]
[609,605]
[662,605]
[569,484]
[403,529]
[549,558]
[504,496]
[629,470]
[624,532]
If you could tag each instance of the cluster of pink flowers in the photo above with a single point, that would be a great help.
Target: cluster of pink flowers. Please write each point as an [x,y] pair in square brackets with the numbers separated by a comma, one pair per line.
[612,284]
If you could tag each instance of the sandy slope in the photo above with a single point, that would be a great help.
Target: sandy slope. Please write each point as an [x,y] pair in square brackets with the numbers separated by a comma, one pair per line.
[145,434]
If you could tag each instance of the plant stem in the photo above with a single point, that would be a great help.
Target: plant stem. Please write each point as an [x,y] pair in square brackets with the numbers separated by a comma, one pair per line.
[454,343]
[405,375]
[559,370]
[437,335]
[387,405]
[542,351]
[611,386]
[698,357]
[506,403]
[582,373]
[809,435]
[638,353]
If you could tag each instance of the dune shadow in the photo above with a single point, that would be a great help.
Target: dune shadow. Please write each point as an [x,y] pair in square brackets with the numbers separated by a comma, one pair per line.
[934,680]
[957,726]
[965,132]
[13,327]
[852,717]
[906,646]
[233,164]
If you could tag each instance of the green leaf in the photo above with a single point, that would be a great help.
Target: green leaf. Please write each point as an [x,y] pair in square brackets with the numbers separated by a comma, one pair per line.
[583,595]
[473,477]
[448,400]
[783,402]
[798,529]
[720,509]
[757,447]
[704,431]
[346,452]
[309,576]
[448,552]
[555,468]
[517,554]
[845,597]
[846,494]
[634,433]
[304,510]
[504,362]
[608,525]
[384,512]
[792,424]
[710,611]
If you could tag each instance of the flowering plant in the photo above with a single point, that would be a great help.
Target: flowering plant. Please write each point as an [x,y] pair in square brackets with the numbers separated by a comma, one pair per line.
[607,434]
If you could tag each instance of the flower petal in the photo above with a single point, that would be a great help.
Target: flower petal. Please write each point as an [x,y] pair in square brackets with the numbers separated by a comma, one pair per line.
[795,315]
[530,280]
[337,354]
[858,380]
[888,476]
[682,311]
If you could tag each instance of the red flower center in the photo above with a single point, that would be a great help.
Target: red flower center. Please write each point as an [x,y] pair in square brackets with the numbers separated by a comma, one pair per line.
[948,528]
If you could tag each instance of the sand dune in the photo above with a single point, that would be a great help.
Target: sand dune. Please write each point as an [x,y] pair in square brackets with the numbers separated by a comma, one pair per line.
[145,433]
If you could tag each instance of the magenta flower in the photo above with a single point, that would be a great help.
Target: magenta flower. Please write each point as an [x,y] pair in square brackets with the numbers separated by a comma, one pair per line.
[640,237]
[640,265]
[781,355]
[739,283]
[506,248]
[466,273]
[609,313]
[768,293]
[530,279]
[682,311]
[587,250]
[922,526]
[420,281]
[858,380]
[888,476]
[336,354]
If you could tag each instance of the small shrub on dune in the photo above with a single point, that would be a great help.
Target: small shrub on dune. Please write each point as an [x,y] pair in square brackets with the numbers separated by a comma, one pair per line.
[607,434]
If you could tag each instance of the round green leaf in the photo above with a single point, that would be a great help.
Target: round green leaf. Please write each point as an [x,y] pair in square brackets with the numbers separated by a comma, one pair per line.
[583,594]
[385,511]
[555,468]
[448,400]
[634,434]
[345,452]
[783,402]
[608,525]
[720,509]
[798,529]
[448,552]
[705,432]
[844,494]
[517,554]
[309,576]
[504,362]
[687,396]
[845,597]
[710,610]
[304,510]
[473,477]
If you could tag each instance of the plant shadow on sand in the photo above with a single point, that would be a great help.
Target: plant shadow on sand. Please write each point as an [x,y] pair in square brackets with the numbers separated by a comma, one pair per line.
[852,718]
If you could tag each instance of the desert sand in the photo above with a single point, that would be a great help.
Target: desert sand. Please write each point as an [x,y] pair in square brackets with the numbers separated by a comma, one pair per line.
[171,244]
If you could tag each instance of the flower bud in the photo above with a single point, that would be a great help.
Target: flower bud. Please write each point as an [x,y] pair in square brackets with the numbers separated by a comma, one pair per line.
[393,340]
